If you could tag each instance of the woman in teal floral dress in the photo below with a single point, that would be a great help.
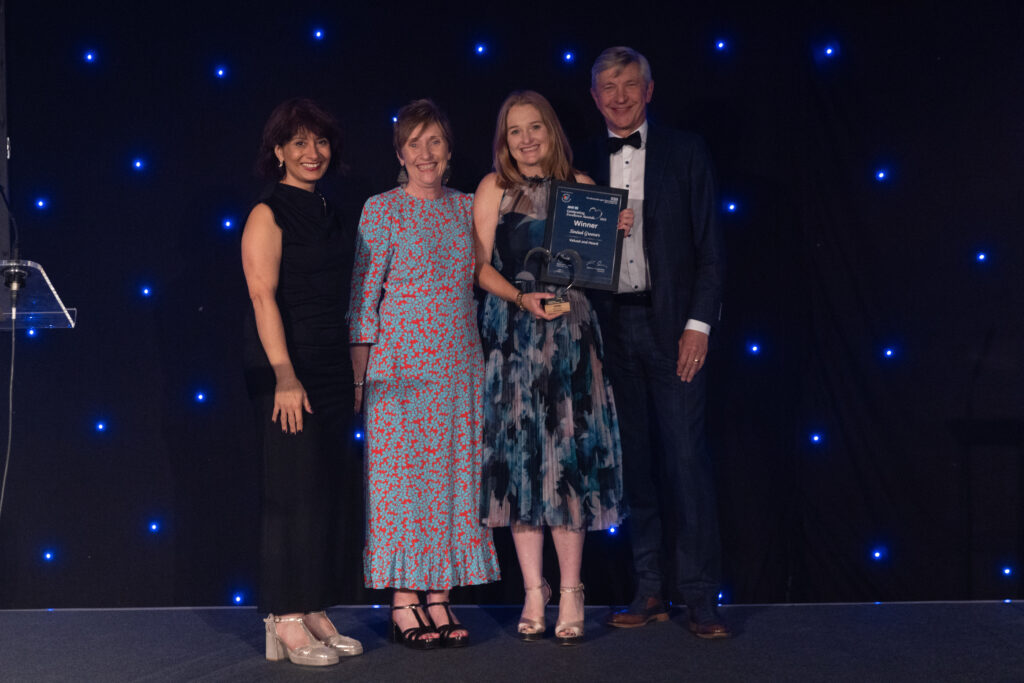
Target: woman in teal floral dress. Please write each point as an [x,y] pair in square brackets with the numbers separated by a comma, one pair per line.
[552,455]
[416,353]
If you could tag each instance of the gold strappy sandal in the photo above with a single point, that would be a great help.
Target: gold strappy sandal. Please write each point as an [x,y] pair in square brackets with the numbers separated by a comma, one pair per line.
[574,628]
[534,629]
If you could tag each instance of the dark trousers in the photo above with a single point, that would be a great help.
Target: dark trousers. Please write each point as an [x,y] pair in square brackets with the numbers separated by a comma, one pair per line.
[666,467]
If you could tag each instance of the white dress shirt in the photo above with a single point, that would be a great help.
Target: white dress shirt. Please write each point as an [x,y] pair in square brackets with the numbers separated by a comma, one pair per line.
[626,171]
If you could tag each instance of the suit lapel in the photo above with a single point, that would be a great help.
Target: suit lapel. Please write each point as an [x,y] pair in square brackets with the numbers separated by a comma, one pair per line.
[602,165]
[654,170]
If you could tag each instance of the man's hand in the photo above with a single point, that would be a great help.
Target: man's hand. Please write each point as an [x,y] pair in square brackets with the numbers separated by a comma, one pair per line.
[693,349]
[625,221]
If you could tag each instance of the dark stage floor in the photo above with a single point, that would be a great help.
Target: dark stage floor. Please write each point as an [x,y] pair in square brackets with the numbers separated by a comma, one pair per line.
[889,642]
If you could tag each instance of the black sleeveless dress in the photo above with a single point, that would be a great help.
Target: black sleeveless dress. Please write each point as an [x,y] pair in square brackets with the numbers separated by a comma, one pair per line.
[312,481]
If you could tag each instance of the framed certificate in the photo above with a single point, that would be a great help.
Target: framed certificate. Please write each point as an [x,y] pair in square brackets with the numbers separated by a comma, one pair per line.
[582,235]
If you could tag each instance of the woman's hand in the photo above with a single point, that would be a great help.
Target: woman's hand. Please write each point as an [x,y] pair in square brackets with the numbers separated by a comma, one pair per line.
[289,400]
[360,361]
[626,221]
[534,303]
[261,263]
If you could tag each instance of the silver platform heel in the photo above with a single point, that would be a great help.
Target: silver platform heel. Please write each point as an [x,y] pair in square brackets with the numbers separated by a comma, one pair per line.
[343,645]
[313,654]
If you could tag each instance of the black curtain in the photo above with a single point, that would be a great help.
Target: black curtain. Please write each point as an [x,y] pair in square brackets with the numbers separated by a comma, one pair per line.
[919,452]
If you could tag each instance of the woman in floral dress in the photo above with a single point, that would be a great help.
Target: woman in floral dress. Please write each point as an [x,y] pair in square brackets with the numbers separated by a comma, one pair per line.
[552,456]
[418,367]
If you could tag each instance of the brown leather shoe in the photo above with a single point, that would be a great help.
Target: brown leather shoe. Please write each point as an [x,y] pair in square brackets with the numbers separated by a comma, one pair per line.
[706,622]
[710,631]
[640,613]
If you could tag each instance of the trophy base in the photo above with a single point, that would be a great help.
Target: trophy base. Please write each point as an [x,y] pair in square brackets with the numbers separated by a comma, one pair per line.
[556,305]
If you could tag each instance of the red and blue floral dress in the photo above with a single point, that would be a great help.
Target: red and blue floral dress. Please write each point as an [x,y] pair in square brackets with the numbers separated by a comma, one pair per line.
[412,300]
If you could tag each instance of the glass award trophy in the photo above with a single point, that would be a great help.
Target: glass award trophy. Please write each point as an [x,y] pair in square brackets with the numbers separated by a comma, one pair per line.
[571,264]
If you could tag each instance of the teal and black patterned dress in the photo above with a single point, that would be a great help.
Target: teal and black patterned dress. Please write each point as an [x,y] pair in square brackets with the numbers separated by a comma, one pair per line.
[552,454]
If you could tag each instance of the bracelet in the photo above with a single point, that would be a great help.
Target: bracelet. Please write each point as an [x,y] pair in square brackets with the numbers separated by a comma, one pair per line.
[519,301]
[359,383]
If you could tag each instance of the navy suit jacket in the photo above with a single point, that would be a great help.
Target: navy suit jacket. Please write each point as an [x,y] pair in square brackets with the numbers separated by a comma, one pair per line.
[682,234]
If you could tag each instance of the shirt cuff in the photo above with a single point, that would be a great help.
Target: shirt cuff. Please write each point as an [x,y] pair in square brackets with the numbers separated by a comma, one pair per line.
[692,324]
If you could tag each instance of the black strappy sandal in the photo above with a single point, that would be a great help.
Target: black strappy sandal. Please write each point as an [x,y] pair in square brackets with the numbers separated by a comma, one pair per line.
[414,637]
[447,639]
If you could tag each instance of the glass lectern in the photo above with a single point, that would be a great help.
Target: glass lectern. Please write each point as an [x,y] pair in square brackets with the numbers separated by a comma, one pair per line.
[37,304]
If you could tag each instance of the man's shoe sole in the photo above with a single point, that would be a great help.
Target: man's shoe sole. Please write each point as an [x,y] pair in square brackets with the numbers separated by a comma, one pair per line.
[660,616]
[715,635]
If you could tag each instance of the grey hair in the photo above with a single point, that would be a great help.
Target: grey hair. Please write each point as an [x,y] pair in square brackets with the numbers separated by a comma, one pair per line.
[619,58]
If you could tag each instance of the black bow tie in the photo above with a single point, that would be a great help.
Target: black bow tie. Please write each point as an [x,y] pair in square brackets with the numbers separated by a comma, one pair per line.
[615,144]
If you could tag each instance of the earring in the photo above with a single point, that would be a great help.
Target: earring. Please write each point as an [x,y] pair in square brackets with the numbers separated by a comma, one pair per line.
[403,176]
[447,175]
[280,163]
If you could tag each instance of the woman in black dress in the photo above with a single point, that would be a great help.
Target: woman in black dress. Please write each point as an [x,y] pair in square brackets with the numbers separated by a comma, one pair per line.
[297,259]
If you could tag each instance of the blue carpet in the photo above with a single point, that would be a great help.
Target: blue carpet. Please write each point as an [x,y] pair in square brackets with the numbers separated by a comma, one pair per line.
[888,642]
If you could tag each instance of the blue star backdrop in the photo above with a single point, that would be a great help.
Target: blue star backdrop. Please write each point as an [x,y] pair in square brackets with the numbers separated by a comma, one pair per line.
[867,383]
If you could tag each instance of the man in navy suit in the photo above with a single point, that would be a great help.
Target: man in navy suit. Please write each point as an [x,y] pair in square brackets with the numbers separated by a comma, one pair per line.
[656,330]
